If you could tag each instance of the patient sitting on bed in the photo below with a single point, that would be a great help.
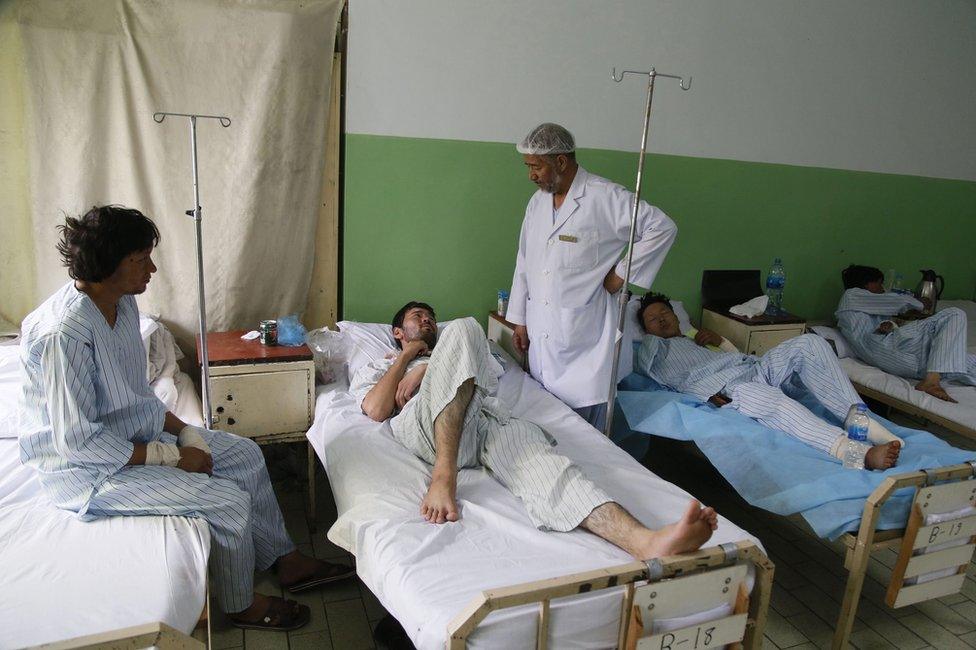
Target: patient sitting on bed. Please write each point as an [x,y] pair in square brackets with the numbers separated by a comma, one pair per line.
[927,349]
[693,363]
[439,393]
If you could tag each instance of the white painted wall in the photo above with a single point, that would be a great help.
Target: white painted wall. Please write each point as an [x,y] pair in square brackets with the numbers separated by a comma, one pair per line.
[876,85]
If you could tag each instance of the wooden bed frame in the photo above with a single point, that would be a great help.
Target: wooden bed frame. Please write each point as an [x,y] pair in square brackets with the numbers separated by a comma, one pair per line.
[940,490]
[710,575]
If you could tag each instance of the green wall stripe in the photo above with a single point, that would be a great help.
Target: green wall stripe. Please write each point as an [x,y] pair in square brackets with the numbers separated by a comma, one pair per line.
[438,220]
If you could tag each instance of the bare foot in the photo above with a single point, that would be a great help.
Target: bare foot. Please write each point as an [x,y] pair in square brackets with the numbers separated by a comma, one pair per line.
[440,504]
[687,534]
[934,389]
[882,456]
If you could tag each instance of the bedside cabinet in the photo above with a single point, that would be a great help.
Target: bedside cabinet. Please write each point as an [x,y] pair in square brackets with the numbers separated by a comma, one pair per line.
[262,392]
[753,335]
[501,331]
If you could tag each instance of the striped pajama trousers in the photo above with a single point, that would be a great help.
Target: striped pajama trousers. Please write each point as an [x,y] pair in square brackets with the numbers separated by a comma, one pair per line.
[238,503]
[809,359]
[517,452]
[934,344]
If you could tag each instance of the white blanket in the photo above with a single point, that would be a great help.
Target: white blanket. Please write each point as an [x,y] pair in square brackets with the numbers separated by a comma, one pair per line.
[64,578]
[424,574]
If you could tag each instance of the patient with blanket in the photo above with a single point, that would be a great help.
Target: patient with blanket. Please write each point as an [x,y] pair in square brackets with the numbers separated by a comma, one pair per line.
[755,386]
[926,348]
[439,394]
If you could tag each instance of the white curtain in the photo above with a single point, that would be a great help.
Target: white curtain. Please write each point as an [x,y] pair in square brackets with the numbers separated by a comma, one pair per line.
[82,80]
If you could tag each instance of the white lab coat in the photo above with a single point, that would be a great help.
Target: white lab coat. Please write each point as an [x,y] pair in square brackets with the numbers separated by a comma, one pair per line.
[558,293]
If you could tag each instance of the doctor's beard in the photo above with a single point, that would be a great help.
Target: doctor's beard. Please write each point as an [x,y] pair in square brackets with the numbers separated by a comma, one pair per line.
[552,185]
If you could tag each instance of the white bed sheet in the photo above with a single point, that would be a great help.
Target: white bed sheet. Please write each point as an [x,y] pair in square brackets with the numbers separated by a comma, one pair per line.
[904,389]
[64,578]
[425,574]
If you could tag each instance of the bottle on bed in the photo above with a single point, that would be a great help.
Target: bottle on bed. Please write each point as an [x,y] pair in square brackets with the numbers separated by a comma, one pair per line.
[856,426]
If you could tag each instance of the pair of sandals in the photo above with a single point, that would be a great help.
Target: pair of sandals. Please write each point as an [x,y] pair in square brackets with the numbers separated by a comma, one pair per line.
[286,615]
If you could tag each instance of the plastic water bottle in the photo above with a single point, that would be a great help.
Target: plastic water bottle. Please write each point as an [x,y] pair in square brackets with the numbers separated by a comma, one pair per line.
[502,302]
[857,432]
[775,282]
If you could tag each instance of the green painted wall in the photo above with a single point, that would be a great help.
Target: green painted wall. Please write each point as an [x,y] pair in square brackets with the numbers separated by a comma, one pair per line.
[438,220]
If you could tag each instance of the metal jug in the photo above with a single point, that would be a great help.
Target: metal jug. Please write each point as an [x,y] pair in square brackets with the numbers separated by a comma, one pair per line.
[929,289]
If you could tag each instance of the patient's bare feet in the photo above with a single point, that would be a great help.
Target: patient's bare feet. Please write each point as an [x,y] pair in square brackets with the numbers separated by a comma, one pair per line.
[687,534]
[882,456]
[440,504]
[932,385]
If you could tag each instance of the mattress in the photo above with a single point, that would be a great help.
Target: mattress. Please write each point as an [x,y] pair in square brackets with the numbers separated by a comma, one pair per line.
[64,578]
[963,413]
[425,574]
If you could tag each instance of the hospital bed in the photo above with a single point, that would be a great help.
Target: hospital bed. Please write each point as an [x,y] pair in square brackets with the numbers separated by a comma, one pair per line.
[64,578]
[928,515]
[900,394]
[493,580]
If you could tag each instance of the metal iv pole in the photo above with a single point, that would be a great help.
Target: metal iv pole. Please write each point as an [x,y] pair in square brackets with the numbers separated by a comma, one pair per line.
[625,291]
[196,214]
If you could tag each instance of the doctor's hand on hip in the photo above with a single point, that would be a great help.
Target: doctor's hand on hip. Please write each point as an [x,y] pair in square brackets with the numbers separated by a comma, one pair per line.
[613,282]
[521,338]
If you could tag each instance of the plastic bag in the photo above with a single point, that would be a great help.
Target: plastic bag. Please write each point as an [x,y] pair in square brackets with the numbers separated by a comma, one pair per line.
[329,351]
[290,331]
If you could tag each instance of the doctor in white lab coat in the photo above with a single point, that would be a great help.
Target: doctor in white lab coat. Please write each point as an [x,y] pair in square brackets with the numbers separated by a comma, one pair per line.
[569,267]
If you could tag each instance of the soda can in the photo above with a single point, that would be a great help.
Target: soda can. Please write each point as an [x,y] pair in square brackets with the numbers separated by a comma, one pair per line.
[269,332]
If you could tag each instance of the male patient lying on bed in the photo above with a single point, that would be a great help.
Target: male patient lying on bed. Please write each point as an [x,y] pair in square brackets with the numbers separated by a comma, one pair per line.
[754,385]
[439,392]
[103,445]
[928,349]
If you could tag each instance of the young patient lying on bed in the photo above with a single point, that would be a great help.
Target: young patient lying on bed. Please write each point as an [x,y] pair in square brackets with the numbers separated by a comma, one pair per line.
[928,348]
[754,385]
[439,392]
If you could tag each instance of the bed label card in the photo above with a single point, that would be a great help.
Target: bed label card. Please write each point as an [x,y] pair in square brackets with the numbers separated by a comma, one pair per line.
[714,634]
[946,531]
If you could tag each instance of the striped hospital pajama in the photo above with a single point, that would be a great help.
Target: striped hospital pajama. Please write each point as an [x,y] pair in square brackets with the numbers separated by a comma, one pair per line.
[517,452]
[809,359]
[934,344]
[237,502]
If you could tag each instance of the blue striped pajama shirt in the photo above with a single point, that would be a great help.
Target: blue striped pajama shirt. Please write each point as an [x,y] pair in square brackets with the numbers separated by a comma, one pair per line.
[756,385]
[84,406]
[933,344]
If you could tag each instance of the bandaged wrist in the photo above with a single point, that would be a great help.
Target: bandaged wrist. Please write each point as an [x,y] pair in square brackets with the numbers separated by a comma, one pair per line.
[190,437]
[159,453]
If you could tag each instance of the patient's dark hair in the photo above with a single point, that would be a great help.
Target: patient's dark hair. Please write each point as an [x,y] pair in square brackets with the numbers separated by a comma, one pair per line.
[398,319]
[649,299]
[856,276]
[93,245]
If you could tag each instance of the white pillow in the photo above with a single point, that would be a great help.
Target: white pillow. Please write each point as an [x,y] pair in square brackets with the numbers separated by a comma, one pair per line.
[841,346]
[369,342]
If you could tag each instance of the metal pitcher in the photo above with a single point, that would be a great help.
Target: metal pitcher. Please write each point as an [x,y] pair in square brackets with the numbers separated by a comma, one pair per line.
[929,289]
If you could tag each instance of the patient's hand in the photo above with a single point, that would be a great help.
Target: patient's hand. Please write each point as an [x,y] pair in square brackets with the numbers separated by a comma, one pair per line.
[719,400]
[408,386]
[707,337]
[886,327]
[414,349]
[195,461]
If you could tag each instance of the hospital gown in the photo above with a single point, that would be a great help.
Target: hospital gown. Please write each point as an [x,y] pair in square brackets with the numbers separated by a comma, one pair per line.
[934,344]
[84,406]
[755,385]
[517,452]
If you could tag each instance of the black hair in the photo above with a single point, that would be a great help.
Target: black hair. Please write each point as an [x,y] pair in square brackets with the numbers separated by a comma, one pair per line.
[398,318]
[93,245]
[856,276]
[649,299]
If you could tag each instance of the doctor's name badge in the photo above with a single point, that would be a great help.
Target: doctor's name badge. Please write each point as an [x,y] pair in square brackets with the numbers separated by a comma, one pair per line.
[570,238]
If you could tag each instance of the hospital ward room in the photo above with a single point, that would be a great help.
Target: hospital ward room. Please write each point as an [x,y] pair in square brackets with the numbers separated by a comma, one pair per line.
[355,324]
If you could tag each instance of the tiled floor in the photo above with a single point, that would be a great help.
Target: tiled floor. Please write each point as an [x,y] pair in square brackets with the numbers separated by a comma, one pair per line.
[807,590]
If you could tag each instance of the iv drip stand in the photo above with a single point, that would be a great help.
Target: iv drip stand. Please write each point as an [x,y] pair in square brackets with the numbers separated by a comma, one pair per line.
[196,214]
[624,294]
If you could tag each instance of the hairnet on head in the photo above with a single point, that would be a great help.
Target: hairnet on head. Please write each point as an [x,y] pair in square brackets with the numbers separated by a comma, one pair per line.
[547,139]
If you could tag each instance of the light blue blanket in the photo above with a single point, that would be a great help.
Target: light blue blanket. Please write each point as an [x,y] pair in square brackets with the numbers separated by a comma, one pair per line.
[773,470]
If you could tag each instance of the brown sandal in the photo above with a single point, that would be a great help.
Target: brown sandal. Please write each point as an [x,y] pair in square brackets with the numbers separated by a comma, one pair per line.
[281,616]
